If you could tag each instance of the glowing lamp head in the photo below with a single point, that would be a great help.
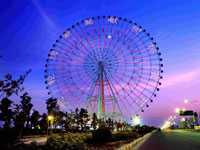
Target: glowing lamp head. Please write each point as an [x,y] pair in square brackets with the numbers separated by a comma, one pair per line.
[185,101]
[50,117]
[136,120]
[177,110]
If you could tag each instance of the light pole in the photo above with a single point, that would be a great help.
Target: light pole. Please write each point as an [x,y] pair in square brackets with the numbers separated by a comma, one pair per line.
[191,103]
[49,119]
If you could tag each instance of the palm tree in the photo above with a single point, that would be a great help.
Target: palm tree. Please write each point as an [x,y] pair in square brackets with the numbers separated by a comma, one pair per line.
[43,122]
[52,105]
[35,119]
[6,113]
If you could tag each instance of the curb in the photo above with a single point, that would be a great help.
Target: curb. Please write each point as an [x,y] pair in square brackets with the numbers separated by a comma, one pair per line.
[129,146]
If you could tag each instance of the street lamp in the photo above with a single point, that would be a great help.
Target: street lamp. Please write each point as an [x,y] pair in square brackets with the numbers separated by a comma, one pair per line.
[177,110]
[136,120]
[185,101]
[49,119]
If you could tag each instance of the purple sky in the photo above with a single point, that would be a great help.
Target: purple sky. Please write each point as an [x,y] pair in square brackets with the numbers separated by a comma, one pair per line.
[29,28]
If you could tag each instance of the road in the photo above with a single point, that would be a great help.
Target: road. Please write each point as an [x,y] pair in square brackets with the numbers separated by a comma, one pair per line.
[171,140]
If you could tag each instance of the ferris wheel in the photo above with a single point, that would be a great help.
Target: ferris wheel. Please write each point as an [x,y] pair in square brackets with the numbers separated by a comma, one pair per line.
[108,65]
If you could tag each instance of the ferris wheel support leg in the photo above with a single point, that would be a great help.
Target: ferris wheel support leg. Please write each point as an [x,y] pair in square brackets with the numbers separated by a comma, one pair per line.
[115,100]
[88,99]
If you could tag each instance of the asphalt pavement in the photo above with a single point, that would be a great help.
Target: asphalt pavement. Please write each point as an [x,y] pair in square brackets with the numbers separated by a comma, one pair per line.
[171,140]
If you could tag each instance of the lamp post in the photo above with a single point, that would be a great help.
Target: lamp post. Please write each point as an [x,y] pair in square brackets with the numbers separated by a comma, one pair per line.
[191,103]
[49,119]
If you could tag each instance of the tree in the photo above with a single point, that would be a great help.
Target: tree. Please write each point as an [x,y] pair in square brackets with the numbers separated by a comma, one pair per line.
[26,107]
[69,120]
[58,118]
[10,86]
[35,119]
[84,118]
[52,105]
[6,113]
[43,122]
[22,113]
[94,121]
[19,120]
[77,118]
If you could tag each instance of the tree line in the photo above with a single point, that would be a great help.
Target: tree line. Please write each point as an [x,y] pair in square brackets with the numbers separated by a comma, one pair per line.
[20,118]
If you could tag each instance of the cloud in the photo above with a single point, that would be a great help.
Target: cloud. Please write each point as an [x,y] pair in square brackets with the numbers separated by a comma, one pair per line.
[181,78]
[43,14]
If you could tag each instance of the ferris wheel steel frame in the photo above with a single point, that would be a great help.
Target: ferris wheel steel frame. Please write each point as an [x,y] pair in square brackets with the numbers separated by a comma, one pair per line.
[104,61]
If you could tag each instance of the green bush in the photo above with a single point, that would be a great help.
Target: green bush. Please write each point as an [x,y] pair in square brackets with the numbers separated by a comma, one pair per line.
[8,138]
[69,141]
[123,135]
[102,134]
[34,146]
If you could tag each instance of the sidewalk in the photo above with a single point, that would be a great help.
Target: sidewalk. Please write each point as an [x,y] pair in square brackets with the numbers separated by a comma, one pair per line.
[39,140]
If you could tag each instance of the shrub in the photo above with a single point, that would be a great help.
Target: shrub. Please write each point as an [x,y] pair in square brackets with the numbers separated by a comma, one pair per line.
[34,146]
[8,138]
[123,135]
[69,141]
[102,134]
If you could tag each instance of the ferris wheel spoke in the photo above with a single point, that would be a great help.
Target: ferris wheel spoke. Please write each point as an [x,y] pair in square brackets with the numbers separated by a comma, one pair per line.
[132,77]
[93,37]
[105,35]
[111,36]
[71,58]
[71,84]
[121,87]
[74,45]
[118,37]
[115,90]
[139,71]
[99,34]
[129,94]
[128,52]
[124,39]
[134,42]
[81,92]
[134,57]
[131,84]
[86,38]
[67,69]
[126,47]
[82,56]
[70,76]
[76,88]
[79,40]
